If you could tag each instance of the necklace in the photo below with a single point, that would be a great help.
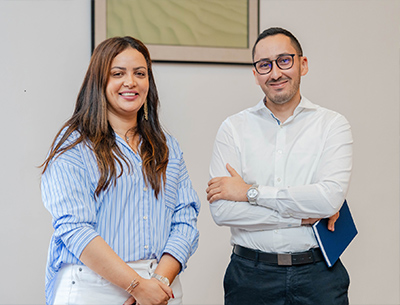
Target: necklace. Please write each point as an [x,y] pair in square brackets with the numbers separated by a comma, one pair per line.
[128,139]
[124,136]
[132,146]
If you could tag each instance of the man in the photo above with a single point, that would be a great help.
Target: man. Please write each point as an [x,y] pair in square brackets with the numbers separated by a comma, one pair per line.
[276,168]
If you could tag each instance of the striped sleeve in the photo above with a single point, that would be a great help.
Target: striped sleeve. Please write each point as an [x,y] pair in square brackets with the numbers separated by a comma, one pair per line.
[67,196]
[184,236]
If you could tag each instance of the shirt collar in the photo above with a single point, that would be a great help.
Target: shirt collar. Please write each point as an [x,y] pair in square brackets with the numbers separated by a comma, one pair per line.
[304,104]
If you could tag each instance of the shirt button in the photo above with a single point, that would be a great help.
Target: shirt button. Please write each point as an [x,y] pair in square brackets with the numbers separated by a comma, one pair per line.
[146,247]
[279,152]
[275,231]
[80,269]
[145,217]
[73,282]
[279,179]
[145,189]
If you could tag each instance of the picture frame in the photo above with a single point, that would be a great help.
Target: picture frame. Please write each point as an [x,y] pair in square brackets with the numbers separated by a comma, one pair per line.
[187,53]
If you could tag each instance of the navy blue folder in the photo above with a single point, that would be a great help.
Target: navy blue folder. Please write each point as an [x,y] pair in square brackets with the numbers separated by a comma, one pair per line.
[333,244]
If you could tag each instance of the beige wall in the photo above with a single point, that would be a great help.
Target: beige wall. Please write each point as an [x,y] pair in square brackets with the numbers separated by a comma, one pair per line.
[353,51]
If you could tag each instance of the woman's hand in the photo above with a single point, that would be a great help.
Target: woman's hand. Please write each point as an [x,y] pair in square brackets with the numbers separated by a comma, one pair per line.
[99,257]
[131,300]
[151,292]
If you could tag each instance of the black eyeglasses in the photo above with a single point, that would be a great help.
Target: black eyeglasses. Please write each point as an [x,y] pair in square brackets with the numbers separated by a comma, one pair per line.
[283,62]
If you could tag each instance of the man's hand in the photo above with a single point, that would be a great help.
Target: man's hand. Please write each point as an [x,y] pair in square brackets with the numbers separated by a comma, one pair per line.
[309,221]
[228,188]
[331,221]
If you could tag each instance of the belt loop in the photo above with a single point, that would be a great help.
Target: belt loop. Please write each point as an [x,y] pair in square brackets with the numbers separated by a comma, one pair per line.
[313,255]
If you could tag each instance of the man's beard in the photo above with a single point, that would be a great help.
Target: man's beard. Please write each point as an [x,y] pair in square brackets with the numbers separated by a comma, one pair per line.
[280,99]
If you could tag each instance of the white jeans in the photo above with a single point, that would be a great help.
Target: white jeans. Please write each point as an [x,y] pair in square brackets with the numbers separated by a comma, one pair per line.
[78,285]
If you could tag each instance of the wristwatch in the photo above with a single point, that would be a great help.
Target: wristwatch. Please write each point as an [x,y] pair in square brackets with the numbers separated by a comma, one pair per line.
[161,278]
[252,194]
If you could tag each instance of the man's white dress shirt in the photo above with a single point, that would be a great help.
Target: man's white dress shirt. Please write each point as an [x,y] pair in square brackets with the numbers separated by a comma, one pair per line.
[302,167]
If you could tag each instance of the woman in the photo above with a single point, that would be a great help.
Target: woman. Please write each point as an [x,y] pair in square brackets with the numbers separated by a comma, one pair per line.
[124,211]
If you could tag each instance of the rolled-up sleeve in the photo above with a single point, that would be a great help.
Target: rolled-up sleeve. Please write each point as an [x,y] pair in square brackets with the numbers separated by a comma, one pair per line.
[184,235]
[66,195]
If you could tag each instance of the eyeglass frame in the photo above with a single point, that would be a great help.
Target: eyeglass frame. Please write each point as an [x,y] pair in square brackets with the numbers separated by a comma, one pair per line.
[276,63]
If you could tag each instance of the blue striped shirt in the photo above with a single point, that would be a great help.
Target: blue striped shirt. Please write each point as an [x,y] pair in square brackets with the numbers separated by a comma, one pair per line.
[127,216]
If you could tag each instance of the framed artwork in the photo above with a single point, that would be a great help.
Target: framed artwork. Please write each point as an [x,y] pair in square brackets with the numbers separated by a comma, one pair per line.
[208,31]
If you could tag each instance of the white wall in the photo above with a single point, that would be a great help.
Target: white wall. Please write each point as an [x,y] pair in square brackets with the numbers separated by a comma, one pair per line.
[44,53]
[353,52]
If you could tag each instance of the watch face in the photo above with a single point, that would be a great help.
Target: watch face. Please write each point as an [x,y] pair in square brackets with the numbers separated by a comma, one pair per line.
[252,193]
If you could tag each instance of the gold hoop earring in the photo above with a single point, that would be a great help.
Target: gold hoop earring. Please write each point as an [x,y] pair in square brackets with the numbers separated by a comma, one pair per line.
[146,111]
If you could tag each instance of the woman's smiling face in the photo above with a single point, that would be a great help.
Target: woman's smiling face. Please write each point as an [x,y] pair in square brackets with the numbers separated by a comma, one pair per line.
[128,85]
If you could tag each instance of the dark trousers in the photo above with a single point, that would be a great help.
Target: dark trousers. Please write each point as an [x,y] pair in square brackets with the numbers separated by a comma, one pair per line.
[248,282]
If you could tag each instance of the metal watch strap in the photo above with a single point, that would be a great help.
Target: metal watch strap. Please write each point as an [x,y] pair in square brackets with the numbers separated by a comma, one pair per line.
[161,278]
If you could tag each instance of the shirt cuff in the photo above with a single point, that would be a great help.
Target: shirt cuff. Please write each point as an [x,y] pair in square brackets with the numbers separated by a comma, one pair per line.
[180,249]
[267,197]
[77,240]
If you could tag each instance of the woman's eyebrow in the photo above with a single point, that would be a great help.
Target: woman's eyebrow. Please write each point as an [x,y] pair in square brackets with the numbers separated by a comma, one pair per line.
[123,68]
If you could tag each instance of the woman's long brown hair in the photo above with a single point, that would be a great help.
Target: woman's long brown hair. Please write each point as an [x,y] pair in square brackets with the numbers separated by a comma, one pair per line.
[90,120]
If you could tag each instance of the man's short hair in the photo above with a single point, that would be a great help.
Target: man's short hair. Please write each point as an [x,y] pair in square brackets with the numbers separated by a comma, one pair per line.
[275,31]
